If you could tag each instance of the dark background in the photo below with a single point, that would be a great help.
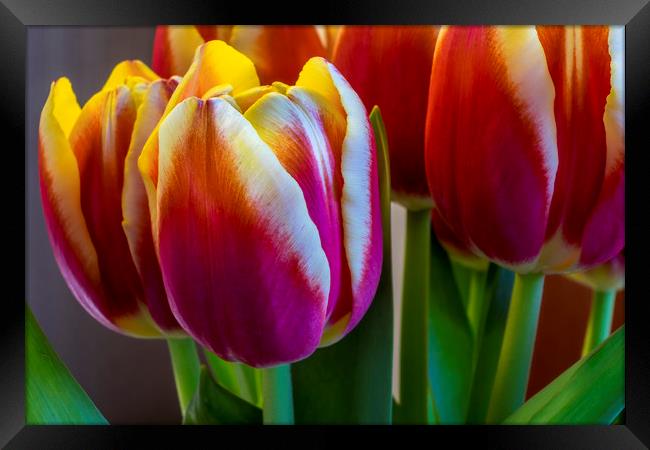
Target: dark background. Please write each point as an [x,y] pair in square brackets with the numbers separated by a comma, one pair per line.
[130,380]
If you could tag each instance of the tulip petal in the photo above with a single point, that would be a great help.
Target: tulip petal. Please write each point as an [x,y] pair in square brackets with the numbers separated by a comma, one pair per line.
[100,140]
[126,69]
[491,153]
[246,99]
[354,147]
[136,218]
[304,152]
[73,248]
[604,234]
[215,63]
[241,258]
[390,66]
[60,193]
[279,52]
[579,64]
[173,49]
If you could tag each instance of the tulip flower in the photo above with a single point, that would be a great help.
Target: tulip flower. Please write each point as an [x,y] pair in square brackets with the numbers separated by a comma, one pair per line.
[525,160]
[94,201]
[525,148]
[390,66]
[265,208]
[278,52]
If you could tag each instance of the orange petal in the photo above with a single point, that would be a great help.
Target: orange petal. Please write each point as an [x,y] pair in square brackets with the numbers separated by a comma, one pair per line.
[390,66]
[279,52]
[173,49]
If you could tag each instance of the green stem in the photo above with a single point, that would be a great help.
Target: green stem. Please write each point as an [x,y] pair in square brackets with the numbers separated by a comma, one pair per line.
[462,275]
[186,365]
[415,294]
[477,303]
[516,355]
[477,307]
[277,395]
[600,319]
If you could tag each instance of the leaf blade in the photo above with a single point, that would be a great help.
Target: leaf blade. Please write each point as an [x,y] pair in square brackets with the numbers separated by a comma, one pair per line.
[450,366]
[52,395]
[500,282]
[589,392]
[213,404]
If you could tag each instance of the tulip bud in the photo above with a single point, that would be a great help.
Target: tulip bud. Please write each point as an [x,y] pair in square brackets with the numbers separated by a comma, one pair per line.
[390,66]
[267,213]
[94,202]
[525,143]
[278,52]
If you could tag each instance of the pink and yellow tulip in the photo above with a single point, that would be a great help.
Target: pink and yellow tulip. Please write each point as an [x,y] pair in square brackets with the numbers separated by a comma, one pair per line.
[390,66]
[266,208]
[525,144]
[94,202]
[247,214]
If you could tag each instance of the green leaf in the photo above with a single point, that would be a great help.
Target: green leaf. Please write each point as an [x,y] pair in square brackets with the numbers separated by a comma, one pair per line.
[213,404]
[53,396]
[500,281]
[589,392]
[450,341]
[351,382]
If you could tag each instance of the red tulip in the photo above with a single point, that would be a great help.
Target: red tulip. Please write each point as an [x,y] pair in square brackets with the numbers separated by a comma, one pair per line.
[94,202]
[390,66]
[525,143]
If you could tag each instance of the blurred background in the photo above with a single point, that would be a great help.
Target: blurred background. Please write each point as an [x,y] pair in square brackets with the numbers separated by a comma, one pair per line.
[130,380]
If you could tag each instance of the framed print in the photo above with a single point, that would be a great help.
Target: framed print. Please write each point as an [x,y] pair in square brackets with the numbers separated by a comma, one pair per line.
[386,219]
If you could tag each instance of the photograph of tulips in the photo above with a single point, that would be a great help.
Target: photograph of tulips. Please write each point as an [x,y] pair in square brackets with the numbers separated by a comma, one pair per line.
[325,225]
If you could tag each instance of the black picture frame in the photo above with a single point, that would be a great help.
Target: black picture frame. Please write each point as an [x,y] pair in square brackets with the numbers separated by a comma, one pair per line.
[16,16]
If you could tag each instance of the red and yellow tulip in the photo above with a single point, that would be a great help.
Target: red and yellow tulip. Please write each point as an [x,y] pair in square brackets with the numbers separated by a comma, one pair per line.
[525,144]
[265,207]
[247,213]
[278,52]
[94,201]
[390,66]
